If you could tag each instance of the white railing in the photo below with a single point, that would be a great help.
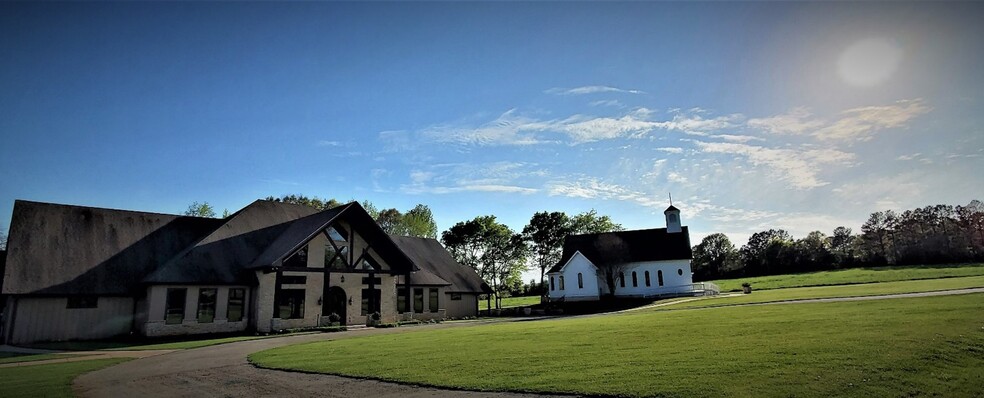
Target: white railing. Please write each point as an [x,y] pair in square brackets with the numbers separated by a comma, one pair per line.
[705,289]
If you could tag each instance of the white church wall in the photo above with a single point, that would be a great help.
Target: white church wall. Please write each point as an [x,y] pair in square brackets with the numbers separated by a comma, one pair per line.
[571,289]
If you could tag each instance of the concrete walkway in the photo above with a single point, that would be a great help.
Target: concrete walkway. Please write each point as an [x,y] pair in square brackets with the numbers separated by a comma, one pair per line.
[222,370]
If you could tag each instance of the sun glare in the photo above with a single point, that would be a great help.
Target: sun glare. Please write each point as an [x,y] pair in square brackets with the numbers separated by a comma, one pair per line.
[869,62]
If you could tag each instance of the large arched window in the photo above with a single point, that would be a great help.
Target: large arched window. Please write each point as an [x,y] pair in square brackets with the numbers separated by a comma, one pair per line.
[561,282]
[647,279]
[621,279]
[635,279]
[659,275]
[580,281]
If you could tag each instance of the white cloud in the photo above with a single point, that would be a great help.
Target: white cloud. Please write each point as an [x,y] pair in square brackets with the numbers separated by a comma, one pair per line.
[670,149]
[797,167]
[590,90]
[583,129]
[697,125]
[614,103]
[737,138]
[860,124]
[796,121]
[676,177]
[329,143]
[508,129]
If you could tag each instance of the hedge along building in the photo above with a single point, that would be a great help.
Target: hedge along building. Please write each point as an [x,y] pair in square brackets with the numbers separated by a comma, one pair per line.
[645,263]
[78,272]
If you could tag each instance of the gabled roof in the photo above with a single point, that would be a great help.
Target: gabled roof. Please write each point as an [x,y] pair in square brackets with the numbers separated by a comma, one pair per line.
[56,249]
[222,256]
[627,247]
[298,233]
[434,261]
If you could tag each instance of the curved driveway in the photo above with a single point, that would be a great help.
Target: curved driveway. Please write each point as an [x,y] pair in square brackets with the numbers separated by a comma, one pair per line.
[222,370]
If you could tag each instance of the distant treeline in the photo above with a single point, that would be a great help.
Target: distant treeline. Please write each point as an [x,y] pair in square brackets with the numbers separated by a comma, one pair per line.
[929,235]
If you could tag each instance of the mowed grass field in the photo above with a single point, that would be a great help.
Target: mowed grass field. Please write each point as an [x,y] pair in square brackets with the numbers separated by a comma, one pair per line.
[50,380]
[854,276]
[799,293]
[515,302]
[930,346]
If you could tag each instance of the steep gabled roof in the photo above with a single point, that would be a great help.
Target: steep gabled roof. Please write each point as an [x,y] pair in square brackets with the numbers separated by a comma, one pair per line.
[56,249]
[627,247]
[299,232]
[222,256]
[432,258]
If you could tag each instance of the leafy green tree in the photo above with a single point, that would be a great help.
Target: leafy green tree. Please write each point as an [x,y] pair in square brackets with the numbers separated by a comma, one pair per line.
[590,222]
[765,252]
[491,248]
[419,222]
[546,233]
[313,201]
[391,221]
[200,210]
[714,257]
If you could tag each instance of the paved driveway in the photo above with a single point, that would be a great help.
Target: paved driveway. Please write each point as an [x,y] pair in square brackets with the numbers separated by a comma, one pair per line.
[222,370]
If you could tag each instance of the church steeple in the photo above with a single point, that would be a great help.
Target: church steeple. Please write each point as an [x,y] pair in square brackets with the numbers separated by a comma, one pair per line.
[672,218]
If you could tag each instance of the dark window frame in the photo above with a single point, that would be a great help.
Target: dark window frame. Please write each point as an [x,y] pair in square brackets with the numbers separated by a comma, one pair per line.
[659,275]
[298,259]
[621,279]
[580,281]
[293,279]
[455,296]
[648,282]
[170,310]
[418,300]
[401,300]
[635,279]
[206,308]
[680,271]
[433,300]
[366,308]
[561,282]
[293,300]
[234,302]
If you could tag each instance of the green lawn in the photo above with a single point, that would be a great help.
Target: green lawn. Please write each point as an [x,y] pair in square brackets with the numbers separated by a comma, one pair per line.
[869,289]
[51,380]
[9,357]
[138,346]
[517,301]
[900,347]
[851,276]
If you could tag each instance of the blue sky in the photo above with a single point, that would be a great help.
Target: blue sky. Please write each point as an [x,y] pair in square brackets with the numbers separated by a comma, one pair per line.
[800,116]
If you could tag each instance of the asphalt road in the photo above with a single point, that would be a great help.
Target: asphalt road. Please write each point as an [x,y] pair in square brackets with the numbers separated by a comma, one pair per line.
[222,370]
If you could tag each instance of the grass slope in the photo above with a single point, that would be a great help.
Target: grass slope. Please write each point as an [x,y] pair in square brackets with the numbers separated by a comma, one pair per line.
[515,302]
[869,289]
[913,347]
[856,275]
[51,380]
[8,357]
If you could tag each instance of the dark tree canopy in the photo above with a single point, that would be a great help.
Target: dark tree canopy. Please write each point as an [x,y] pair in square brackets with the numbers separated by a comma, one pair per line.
[546,233]
[491,248]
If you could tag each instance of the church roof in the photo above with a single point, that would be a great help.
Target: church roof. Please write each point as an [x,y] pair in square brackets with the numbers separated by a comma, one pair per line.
[627,247]
[671,208]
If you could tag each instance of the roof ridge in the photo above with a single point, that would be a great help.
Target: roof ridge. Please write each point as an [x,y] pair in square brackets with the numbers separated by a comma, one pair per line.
[34,202]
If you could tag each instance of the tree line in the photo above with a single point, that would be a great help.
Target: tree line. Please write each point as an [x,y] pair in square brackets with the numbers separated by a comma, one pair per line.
[935,234]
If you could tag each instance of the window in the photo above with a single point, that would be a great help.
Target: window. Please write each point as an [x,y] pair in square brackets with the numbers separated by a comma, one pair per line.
[206,305]
[174,310]
[298,259]
[580,281]
[333,261]
[561,282]
[680,272]
[647,279]
[455,296]
[635,279]
[551,283]
[621,279]
[370,301]
[401,300]
[418,300]
[369,264]
[672,217]
[237,301]
[659,275]
[432,300]
[291,304]
[82,302]
[293,280]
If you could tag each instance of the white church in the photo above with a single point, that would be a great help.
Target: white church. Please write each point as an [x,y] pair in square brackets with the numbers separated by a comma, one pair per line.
[649,263]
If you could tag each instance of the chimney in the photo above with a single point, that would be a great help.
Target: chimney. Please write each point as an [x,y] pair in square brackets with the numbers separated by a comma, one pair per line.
[672,219]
